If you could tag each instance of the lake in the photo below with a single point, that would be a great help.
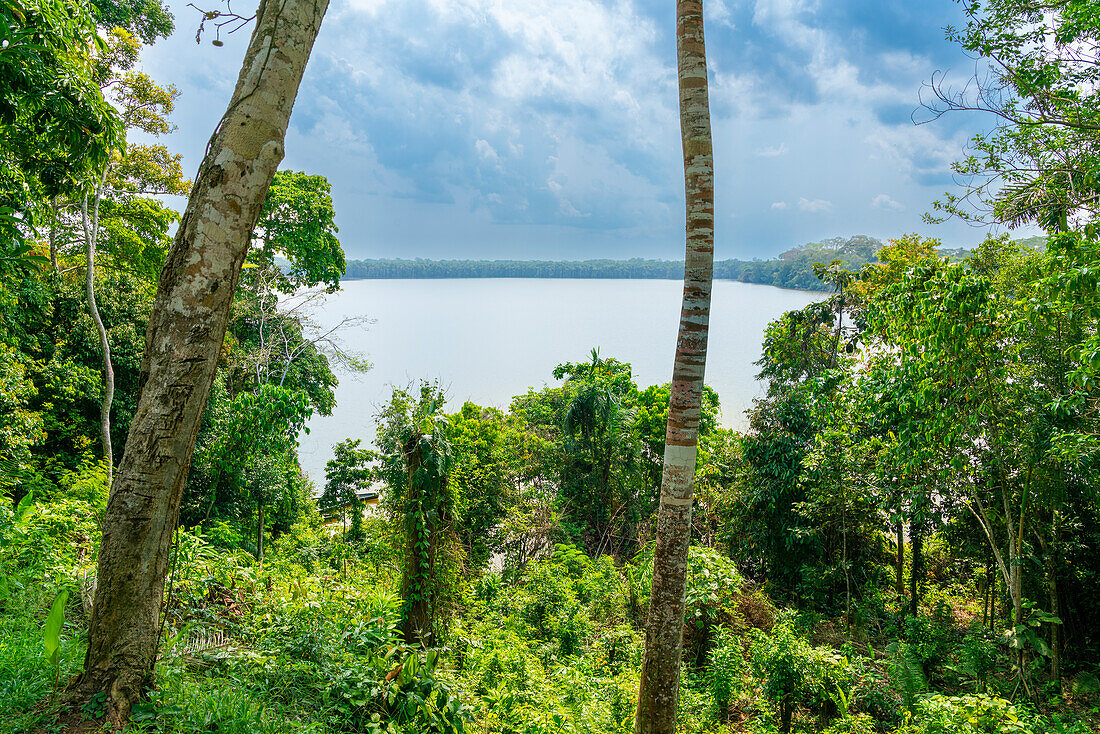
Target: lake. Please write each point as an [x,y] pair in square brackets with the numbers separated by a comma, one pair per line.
[487,339]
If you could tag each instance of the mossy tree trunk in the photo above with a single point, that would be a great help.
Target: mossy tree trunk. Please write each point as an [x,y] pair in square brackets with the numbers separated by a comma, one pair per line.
[186,328]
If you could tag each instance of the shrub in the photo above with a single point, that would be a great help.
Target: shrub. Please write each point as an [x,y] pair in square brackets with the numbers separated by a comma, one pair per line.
[724,671]
[979,714]
[793,674]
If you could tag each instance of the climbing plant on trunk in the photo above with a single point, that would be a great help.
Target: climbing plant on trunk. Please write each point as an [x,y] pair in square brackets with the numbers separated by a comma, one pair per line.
[182,344]
[659,690]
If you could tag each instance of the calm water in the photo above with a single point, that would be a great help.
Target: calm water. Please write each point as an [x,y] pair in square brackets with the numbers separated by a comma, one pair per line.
[489,339]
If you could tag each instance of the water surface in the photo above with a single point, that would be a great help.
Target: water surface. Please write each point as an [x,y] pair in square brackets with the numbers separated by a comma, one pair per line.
[487,339]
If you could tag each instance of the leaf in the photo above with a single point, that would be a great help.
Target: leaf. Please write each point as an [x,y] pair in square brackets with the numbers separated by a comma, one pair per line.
[24,505]
[51,631]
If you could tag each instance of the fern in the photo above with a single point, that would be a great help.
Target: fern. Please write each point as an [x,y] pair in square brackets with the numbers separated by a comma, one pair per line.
[906,673]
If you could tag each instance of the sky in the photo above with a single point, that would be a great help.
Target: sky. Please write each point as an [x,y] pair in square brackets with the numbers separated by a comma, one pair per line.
[548,129]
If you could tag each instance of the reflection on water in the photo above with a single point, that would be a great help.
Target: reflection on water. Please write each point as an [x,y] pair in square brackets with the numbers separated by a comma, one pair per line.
[488,339]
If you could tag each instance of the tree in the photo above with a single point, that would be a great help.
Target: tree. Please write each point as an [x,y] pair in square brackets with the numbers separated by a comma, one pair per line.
[184,337]
[56,129]
[146,19]
[600,449]
[144,169]
[659,690]
[416,463]
[297,222]
[1039,79]
[348,471]
[489,454]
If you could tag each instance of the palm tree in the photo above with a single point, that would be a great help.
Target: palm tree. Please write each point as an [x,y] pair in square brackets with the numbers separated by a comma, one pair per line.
[659,691]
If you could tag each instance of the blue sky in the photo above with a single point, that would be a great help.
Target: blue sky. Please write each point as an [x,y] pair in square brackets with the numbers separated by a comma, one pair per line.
[548,128]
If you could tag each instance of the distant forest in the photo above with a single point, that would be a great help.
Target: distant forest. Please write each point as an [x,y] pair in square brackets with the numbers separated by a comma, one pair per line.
[792,269]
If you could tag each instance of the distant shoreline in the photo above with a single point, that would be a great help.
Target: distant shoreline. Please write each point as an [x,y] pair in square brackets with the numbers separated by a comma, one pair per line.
[347,278]
[794,268]
[796,274]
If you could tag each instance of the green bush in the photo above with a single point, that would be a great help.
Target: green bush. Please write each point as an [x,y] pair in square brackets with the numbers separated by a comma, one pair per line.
[979,714]
[725,670]
[794,675]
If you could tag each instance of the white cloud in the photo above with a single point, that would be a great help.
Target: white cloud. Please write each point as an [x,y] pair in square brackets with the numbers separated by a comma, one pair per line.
[719,13]
[815,206]
[772,151]
[883,201]
[487,152]
[779,205]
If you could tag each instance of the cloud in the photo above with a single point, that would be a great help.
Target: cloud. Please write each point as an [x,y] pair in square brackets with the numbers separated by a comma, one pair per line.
[882,201]
[530,83]
[814,206]
[487,152]
[719,13]
[441,124]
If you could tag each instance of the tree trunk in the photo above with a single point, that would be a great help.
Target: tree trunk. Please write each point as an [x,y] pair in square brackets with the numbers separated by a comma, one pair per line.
[786,712]
[260,531]
[659,690]
[186,328]
[916,541]
[900,581]
[91,234]
[421,544]
[1055,630]
[53,236]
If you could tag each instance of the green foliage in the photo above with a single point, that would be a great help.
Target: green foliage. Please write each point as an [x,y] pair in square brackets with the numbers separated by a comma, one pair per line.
[792,269]
[56,129]
[297,223]
[725,670]
[794,675]
[51,631]
[977,714]
[416,459]
[1037,163]
[148,19]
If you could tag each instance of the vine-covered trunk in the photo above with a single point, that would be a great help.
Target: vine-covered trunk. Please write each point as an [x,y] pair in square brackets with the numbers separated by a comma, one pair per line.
[186,328]
[423,538]
[659,689]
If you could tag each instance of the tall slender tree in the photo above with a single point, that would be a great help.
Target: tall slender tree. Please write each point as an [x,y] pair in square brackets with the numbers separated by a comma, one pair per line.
[182,343]
[659,691]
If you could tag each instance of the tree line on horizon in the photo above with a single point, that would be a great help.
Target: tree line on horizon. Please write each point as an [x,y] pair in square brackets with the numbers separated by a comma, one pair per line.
[794,268]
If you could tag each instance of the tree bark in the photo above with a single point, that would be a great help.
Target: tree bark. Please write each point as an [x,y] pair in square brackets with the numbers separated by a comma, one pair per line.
[186,329]
[659,689]
[422,541]
[916,571]
[899,583]
[260,531]
[91,234]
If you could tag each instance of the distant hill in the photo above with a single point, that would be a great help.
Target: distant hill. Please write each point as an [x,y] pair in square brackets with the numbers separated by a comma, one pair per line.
[791,269]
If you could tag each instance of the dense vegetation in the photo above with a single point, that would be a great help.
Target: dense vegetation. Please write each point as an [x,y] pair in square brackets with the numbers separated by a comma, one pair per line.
[906,539]
[792,269]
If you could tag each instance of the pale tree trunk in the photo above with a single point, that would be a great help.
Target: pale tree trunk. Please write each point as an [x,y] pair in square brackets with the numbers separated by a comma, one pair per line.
[899,582]
[659,690]
[260,532]
[91,234]
[185,333]
[53,235]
